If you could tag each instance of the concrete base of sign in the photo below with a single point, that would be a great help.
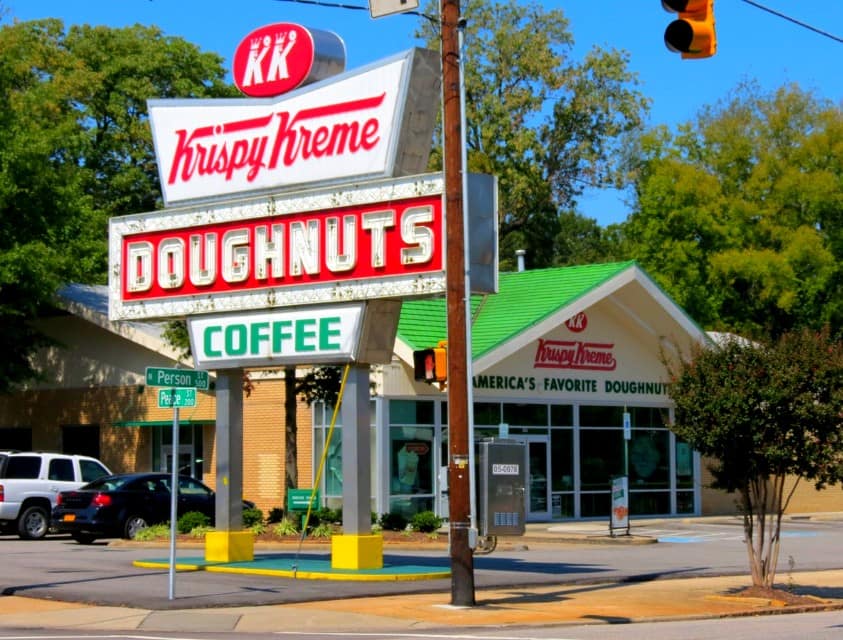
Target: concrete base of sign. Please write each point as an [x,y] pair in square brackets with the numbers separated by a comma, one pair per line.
[357,552]
[229,546]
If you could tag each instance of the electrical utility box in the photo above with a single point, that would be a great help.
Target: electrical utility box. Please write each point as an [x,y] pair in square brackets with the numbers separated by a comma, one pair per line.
[501,482]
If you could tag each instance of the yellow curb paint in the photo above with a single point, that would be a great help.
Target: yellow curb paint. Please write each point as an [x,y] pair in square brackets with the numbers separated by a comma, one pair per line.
[229,546]
[319,575]
[357,552]
[144,564]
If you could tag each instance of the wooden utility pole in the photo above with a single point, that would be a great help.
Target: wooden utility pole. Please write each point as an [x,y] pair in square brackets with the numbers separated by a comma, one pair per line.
[459,485]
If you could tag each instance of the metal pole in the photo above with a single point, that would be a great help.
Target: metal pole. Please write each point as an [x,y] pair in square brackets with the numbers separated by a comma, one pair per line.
[469,365]
[462,560]
[174,494]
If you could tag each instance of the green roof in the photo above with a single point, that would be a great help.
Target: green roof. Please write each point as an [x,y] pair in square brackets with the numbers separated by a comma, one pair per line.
[525,298]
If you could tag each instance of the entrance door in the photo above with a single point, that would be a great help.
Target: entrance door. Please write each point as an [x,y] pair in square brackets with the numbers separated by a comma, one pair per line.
[538,476]
[185,456]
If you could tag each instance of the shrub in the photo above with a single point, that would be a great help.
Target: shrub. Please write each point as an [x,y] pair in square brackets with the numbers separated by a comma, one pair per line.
[153,532]
[251,517]
[327,516]
[285,528]
[393,521]
[425,521]
[192,519]
[199,532]
[276,514]
[324,530]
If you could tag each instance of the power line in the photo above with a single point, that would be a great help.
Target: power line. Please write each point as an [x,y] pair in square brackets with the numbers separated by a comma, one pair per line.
[793,20]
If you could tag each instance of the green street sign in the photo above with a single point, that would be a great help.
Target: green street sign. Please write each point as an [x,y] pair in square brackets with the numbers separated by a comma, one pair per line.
[176,397]
[161,377]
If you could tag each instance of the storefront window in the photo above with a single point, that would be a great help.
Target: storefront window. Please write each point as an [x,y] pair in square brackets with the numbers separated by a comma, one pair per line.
[561,415]
[591,416]
[601,457]
[527,415]
[647,416]
[411,451]
[684,502]
[562,459]
[649,461]
[649,503]
[595,505]
[411,412]
[684,465]
[487,413]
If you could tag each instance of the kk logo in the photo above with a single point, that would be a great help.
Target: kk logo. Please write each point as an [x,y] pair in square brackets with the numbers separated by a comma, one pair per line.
[277,58]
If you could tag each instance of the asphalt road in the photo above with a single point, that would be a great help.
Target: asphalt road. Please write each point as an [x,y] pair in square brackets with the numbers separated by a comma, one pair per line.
[59,569]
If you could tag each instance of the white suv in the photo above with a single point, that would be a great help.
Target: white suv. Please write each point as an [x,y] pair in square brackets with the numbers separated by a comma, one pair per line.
[30,482]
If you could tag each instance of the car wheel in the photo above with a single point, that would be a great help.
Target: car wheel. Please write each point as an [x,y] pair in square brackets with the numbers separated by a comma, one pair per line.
[83,538]
[33,523]
[133,525]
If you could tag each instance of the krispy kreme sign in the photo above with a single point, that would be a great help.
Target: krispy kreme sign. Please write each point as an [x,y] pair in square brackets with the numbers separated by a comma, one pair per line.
[381,240]
[279,57]
[349,128]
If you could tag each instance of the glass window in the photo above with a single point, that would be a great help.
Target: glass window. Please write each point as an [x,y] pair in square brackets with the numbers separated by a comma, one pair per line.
[649,503]
[649,461]
[487,413]
[562,459]
[411,460]
[684,465]
[684,502]
[27,467]
[528,415]
[61,469]
[594,505]
[648,416]
[601,416]
[91,470]
[601,457]
[561,415]
[562,505]
[411,412]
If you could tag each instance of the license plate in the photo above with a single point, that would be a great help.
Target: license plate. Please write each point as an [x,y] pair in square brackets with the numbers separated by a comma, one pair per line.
[69,517]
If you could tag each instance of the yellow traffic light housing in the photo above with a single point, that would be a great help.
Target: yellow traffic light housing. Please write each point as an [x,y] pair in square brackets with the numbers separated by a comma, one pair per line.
[692,34]
[431,365]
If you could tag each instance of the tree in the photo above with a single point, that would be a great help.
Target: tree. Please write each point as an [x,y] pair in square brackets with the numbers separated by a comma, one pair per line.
[75,149]
[546,126]
[768,416]
[738,213]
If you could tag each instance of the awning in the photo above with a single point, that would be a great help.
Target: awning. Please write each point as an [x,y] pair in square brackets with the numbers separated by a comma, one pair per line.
[161,423]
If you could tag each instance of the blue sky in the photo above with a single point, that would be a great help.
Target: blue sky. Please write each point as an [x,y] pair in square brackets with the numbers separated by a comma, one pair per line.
[752,44]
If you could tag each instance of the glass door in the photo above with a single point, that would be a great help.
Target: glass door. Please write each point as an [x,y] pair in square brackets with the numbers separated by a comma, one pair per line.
[538,474]
[185,458]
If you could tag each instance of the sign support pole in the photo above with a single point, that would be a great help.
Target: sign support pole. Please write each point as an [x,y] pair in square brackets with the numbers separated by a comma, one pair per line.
[459,471]
[174,495]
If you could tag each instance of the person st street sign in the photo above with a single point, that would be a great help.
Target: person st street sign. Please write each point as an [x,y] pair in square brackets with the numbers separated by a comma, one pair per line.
[163,377]
[176,397]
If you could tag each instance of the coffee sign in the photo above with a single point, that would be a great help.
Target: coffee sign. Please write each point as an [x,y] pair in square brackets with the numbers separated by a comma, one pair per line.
[277,58]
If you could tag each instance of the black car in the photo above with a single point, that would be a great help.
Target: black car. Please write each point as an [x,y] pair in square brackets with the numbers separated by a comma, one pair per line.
[119,506]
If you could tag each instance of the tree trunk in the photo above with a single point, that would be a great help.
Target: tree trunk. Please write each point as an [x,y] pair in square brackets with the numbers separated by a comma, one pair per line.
[291,469]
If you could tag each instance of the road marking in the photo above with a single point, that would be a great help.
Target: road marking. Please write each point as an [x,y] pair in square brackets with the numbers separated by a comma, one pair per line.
[391,634]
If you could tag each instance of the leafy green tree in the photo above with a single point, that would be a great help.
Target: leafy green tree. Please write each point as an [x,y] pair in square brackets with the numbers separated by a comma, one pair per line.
[768,416]
[546,125]
[75,149]
[738,213]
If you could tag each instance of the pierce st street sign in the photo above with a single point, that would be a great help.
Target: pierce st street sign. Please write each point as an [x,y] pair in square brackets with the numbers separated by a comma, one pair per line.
[163,377]
[175,398]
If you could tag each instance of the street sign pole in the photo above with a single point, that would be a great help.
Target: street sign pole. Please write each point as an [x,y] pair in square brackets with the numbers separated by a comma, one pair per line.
[174,495]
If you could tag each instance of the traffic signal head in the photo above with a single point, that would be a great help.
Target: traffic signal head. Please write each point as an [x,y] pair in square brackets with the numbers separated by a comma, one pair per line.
[692,34]
[431,365]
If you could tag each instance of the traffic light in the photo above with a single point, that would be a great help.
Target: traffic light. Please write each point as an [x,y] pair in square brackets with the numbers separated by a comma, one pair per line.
[431,365]
[692,34]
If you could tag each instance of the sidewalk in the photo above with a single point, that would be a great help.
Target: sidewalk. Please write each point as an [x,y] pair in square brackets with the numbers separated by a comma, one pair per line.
[536,605]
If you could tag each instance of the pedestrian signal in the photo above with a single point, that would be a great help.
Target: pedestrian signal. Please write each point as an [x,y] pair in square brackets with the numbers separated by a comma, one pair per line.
[431,365]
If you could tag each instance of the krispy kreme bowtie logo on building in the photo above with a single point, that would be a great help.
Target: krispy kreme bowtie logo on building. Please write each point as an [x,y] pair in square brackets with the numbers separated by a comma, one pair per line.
[346,129]
[277,58]
[575,354]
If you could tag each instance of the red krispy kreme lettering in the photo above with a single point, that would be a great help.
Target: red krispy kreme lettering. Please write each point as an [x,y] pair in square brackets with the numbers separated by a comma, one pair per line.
[254,145]
[569,354]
